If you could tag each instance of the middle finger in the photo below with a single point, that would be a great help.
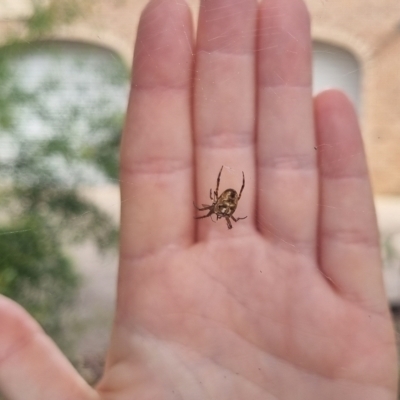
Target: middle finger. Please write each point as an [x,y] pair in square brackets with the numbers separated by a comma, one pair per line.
[224,106]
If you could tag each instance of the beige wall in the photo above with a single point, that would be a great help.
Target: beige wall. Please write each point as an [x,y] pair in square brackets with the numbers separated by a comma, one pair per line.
[370,29]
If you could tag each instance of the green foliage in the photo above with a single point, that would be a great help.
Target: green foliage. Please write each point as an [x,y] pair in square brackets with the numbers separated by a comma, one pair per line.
[41,206]
[389,252]
[46,17]
[11,96]
[35,272]
[104,155]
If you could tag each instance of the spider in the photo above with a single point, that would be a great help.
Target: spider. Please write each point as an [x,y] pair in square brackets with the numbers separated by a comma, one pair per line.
[223,206]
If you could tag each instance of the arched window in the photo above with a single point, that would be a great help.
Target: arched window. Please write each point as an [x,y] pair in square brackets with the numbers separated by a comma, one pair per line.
[62,107]
[69,97]
[334,67]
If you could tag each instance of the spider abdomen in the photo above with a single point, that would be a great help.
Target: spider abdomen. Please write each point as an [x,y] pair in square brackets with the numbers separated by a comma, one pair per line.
[226,203]
[222,206]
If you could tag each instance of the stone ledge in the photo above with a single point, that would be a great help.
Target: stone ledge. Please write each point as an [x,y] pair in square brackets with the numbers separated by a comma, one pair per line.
[15,9]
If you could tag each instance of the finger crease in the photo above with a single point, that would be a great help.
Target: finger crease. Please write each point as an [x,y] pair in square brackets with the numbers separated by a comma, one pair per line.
[226,140]
[351,237]
[289,162]
[155,166]
[145,255]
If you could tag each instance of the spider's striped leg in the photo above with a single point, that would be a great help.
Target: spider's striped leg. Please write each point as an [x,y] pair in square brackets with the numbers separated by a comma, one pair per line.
[238,219]
[205,207]
[204,216]
[228,222]
[218,179]
[241,189]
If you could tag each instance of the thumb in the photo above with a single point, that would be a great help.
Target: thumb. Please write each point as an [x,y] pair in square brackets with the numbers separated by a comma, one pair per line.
[31,365]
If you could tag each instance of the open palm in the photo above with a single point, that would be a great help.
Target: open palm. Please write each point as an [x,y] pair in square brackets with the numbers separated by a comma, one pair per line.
[289,304]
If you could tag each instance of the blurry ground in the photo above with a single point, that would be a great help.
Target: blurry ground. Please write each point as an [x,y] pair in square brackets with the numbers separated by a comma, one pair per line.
[388,215]
[94,312]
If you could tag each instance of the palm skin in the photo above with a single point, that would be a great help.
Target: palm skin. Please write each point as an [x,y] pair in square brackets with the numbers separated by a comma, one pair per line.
[255,322]
[289,304]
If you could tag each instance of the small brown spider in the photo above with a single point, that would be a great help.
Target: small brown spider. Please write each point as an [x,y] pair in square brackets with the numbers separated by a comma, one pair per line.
[223,206]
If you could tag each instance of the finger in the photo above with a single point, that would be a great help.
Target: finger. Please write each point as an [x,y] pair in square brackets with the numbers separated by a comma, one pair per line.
[31,366]
[287,165]
[156,156]
[349,239]
[224,106]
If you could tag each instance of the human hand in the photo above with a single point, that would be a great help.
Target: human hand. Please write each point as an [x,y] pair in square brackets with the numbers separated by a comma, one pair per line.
[289,304]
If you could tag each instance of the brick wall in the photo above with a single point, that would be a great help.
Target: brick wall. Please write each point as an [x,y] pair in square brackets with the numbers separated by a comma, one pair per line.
[370,29]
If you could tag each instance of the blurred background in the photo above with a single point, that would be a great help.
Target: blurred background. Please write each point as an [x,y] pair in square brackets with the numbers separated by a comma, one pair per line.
[64,82]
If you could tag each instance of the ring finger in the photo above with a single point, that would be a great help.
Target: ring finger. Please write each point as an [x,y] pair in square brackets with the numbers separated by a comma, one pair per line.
[287,162]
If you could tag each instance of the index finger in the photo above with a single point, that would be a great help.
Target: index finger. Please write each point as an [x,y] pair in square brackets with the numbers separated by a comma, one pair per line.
[156,149]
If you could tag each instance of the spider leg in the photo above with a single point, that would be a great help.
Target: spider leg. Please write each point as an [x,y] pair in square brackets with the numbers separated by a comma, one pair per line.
[218,179]
[206,207]
[212,219]
[238,219]
[205,216]
[228,223]
[241,190]
[211,195]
